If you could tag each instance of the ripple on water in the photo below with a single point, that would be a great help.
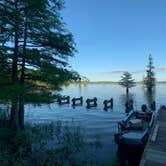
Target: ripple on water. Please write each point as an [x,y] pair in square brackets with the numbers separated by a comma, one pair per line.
[97,123]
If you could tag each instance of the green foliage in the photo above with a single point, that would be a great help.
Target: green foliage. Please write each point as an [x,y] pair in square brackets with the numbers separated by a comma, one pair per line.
[127,81]
[34,48]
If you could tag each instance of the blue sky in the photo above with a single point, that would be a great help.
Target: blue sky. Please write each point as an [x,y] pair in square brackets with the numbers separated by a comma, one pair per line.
[113,36]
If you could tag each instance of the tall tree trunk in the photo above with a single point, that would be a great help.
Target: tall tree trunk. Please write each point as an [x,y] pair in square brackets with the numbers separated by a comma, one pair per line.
[127,91]
[21,112]
[16,47]
[24,53]
[22,79]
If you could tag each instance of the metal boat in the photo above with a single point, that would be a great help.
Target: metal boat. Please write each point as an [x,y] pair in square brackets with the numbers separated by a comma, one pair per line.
[134,130]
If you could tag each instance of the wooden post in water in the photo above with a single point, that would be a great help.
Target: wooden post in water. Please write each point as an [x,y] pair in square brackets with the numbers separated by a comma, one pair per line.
[129,105]
[77,101]
[108,104]
[64,100]
[91,103]
[153,106]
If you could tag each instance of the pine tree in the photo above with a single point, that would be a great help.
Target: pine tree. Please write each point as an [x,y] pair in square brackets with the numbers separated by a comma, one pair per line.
[149,80]
[34,48]
[37,38]
[127,81]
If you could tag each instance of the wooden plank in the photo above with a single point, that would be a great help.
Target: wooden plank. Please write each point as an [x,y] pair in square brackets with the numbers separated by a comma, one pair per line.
[157,156]
[154,135]
[155,150]
[153,163]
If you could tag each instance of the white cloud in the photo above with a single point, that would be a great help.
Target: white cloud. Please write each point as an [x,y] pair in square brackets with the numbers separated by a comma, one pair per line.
[139,71]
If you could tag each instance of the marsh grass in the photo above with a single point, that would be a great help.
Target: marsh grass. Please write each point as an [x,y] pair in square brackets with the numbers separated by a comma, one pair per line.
[114,161]
[53,144]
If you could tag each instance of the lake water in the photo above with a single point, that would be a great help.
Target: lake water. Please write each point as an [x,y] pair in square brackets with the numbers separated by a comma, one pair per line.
[96,121]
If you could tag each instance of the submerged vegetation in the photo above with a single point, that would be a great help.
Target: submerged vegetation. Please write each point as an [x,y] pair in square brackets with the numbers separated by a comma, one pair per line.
[44,144]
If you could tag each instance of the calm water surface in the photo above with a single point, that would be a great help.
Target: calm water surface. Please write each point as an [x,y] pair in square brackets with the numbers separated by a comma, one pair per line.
[96,121]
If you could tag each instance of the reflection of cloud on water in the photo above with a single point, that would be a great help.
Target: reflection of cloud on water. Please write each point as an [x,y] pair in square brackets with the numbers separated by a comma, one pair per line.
[120,71]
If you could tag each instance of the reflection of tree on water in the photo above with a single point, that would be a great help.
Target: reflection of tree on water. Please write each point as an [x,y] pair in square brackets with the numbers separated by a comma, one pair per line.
[80,86]
[149,96]
[17,114]
[127,101]
[129,156]
[80,89]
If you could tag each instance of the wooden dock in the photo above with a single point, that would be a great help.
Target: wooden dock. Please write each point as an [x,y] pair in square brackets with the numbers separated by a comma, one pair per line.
[155,150]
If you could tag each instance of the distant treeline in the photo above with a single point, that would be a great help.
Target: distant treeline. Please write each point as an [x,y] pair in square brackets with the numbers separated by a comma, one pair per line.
[106,82]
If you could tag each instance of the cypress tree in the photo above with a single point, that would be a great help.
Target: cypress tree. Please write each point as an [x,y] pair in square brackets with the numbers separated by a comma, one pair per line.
[34,48]
[127,81]
[149,80]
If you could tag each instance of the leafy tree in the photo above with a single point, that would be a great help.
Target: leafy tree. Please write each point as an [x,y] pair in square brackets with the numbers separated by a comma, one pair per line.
[149,80]
[127,81]
[34,48]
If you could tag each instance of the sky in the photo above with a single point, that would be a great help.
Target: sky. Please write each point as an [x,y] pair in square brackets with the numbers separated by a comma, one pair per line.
[113,36]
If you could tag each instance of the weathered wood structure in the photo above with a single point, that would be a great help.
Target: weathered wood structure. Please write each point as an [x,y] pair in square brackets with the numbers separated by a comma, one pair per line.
[77,101]
[153,106]
[155,150]
[91,103]
[108,104]
[64,100]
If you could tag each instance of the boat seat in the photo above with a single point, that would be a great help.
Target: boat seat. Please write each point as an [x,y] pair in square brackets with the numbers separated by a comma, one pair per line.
[143,115]
[136,124]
